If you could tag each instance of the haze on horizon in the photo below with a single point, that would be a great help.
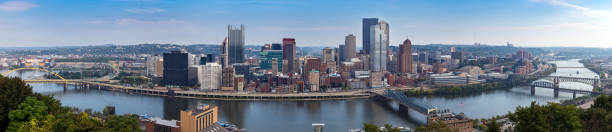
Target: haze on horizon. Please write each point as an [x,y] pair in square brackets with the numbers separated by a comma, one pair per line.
[529,23]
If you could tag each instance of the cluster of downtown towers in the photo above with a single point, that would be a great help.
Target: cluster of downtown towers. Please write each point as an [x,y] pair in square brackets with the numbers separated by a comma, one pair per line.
[375,45]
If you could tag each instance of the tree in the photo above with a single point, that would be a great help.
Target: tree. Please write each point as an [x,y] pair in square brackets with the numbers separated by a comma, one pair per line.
[13,91]
[370,127]
[598,118]
[28,114]
[550,117]
[373,128]
[493,126]
[125,123]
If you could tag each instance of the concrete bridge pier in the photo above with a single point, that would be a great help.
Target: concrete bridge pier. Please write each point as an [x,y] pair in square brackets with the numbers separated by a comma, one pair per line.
[532,90]
[574,95]
[556,87]
[403,110]
[65,86]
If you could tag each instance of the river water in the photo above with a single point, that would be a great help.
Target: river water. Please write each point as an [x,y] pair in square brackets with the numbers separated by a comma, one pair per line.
[338,115]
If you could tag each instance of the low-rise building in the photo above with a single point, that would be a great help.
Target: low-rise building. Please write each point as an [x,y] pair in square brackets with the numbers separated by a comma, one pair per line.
[456,122]
[198,119]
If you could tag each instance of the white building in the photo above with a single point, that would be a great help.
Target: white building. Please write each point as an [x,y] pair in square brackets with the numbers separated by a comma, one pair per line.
[153,65]
[209,76]
[454,79]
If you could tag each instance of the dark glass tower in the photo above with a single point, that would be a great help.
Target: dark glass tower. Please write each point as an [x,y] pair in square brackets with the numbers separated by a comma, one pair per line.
[367,23]
[176,68]
[236,44]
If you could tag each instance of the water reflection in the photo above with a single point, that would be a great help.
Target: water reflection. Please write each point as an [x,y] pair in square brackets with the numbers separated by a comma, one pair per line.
[338,115]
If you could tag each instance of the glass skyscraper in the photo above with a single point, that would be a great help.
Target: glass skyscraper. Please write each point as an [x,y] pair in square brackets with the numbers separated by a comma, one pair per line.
[379,43]
[367,23]
[236,44]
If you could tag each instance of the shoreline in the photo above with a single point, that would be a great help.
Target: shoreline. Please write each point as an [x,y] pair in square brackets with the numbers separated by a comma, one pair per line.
[341,95]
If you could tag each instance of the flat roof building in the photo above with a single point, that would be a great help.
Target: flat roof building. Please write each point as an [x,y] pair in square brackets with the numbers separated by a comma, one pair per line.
[199,119]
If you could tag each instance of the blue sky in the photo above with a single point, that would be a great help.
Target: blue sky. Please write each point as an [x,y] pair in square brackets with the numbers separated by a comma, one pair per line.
[312,23]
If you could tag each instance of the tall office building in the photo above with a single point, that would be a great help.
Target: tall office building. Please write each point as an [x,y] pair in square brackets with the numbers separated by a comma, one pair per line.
[227,78]
[209,76]
[311,64]
[328,55]
[289,54]
[424,58]
[350,49]
[379,43]
[367,23]
[176,66]
[235,44]
[405,57]
[224,55]
[268,57]
[151,65]
[340,54]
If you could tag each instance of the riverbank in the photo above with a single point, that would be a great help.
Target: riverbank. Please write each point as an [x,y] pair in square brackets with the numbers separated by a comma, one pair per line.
[459,89]
[218,95]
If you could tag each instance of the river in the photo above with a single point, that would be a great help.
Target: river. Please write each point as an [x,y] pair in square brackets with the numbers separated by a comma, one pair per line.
[338,115]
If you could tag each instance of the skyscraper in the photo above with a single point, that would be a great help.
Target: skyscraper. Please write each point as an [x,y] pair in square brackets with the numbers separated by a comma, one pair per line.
[350,49]
[235,44]
[328,55]
[176,68]
[209,76]
[367,23]
[340,53]
[405,57]
[379,43]
[289,54]
[224,57]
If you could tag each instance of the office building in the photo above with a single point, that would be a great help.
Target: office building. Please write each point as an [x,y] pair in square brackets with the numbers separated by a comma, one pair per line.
[367,23]
[424,58]
[192,75]
[313,80]
[154,65]
[328,55]
[239,83]
[311,64]
[457,55]
[224,55]
[454,79]
[455,122]
[209,76]
[197,120]
[405,57]
[266,58]
[350,49]
[379,43]
[176,68]
[340,54]
[227,76]
[210,57]
[289,55]
[235,44]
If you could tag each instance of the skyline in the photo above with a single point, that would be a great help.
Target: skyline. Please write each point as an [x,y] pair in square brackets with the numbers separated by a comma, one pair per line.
[525,23]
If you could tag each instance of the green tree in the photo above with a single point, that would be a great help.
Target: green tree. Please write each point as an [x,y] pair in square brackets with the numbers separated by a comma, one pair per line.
[125,123]
[28,116]
[550,117]
[13,91]
[493,126]
[370,127]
